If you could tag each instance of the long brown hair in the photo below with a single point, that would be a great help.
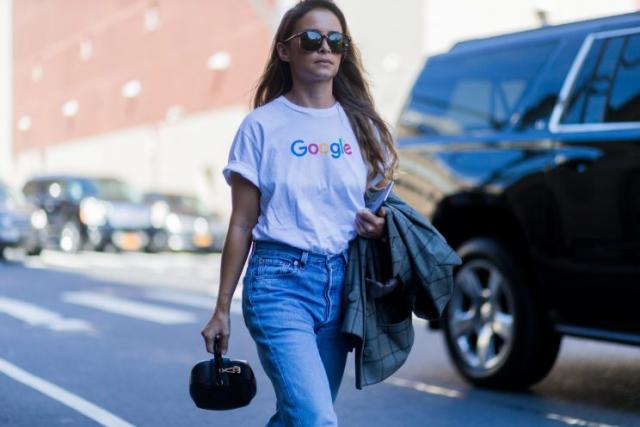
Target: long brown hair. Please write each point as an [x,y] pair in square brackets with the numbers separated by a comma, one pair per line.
[349,88]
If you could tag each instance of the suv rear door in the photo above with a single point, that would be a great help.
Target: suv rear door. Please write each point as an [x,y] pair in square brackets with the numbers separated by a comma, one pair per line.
[596,180]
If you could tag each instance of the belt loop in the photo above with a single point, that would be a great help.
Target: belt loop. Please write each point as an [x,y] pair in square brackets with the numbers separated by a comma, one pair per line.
[303,258]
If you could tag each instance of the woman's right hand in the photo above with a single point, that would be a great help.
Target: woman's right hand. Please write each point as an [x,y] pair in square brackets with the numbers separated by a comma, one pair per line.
[218,325]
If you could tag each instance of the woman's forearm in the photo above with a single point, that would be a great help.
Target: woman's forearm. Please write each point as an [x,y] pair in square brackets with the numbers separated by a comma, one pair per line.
[234,255]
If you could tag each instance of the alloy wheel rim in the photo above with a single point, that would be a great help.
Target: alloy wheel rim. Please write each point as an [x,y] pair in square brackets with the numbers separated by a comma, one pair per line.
[481,319]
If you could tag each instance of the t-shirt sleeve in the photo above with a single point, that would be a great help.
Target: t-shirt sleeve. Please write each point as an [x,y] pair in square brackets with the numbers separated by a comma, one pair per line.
[244,157]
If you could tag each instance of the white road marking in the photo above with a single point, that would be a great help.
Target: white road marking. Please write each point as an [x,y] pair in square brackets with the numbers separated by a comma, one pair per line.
[576,421]
[59,259]
[38,316]
[69,399]
[206,302]
[426,388]
[112,304]
[455,394]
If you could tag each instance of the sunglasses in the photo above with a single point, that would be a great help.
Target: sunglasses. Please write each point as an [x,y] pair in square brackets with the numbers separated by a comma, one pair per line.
[311,40]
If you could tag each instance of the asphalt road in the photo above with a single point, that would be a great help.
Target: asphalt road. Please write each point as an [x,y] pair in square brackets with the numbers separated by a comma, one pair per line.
[109,339]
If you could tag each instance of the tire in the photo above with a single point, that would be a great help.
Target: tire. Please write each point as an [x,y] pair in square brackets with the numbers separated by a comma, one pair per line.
[496,332]
[71,238]
[35,251]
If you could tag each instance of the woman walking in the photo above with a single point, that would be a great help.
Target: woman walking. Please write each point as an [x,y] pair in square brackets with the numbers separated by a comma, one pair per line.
[298,168]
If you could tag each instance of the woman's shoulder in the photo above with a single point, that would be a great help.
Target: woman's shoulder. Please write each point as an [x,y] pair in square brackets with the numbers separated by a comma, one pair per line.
[263,118]
[266,110]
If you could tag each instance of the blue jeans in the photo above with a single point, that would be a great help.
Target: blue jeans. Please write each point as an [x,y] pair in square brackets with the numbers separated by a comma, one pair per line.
[292,307]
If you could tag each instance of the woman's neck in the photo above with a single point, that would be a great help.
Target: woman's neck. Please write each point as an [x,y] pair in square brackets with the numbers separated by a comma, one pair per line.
[318,95]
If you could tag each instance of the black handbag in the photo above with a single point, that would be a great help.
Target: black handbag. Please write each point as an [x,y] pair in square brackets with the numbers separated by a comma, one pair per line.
[221,383]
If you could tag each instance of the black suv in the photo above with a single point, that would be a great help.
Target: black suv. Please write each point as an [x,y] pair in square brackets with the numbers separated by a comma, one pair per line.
[524,151]
[91,212]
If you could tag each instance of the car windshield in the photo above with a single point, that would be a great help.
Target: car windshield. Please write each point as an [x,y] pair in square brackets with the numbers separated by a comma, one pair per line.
[461,93]
[112,189]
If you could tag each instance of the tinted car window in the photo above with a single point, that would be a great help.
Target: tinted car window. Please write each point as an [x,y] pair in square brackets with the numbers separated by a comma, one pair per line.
[624,102]
[478,92]
[607,87]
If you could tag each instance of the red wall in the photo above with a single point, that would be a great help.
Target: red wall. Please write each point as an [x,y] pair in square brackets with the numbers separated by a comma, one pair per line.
[170,62]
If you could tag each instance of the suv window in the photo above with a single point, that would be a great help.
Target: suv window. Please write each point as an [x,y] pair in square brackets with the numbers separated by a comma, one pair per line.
[624,101]
[472,92]
[607,87]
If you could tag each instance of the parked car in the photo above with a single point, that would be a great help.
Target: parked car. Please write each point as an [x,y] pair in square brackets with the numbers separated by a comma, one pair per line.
[94,213]
[184,223]
[21,224]
[524,151]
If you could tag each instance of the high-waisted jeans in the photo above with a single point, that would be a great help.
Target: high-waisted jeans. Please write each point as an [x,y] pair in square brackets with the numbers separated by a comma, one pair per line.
[291,305]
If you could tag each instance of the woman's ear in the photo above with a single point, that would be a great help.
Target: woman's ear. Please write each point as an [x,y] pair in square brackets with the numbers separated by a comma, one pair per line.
[283,52]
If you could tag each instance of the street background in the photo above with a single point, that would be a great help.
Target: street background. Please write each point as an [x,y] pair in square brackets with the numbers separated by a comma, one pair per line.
[152,92]
[122,332]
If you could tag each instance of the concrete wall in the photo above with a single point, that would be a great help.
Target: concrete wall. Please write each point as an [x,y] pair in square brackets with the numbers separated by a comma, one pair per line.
[186,156]
[390,38]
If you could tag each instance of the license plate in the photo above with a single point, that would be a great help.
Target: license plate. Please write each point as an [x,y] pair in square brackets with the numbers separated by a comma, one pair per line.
[202,240]
[130,241]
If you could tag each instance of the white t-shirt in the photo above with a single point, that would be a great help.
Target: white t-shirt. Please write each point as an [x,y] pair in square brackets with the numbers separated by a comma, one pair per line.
[310,172]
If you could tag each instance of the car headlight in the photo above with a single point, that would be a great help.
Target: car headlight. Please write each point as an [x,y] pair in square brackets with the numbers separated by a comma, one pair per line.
[93,212]
[159,212]
[39,219]
[201,226]
[173,223]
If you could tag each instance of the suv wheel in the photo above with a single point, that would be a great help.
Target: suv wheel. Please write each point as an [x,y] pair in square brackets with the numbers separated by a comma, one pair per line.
[495,333]
[70,237]
[34,251]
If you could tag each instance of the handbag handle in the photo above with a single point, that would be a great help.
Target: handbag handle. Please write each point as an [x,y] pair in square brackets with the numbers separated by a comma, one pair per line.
[217,361]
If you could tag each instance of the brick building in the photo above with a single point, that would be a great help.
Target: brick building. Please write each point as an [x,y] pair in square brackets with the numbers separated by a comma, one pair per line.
[150,91]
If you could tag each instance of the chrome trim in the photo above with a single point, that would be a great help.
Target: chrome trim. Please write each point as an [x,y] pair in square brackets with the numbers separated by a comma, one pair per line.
[600,334]
[563,96]
[230,370]
[567,86]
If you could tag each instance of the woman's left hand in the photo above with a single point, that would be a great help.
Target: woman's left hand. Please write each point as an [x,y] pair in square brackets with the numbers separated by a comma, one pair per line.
[370,225]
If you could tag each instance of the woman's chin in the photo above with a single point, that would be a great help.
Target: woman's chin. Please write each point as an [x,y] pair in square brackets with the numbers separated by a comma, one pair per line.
[320,76]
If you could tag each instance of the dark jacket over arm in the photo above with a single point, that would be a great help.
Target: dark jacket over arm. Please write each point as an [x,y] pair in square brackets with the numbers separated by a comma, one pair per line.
[412,272]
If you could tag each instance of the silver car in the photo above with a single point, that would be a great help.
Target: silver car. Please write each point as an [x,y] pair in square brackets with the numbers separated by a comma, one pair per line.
[183,223]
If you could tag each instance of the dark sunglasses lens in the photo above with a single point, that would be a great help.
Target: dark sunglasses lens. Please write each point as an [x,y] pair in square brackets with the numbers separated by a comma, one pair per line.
[311,40]
[337,43]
